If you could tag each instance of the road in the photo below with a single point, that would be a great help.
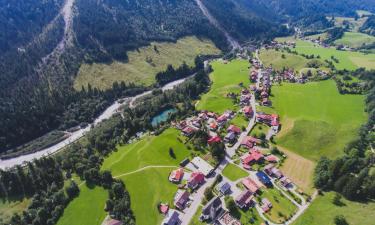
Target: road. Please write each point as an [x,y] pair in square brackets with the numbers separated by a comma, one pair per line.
[74,136]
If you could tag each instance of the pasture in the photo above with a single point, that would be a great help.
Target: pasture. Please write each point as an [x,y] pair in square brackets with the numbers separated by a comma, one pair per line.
[87,208]
[323,211]
[355,39]
[144,63]
[234,173]
[225,78]
[322,120]
[280,60]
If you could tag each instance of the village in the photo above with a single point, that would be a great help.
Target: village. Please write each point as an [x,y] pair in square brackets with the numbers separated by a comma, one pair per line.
[264,183]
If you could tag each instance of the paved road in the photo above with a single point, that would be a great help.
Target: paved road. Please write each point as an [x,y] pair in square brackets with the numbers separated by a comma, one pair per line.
[108,113]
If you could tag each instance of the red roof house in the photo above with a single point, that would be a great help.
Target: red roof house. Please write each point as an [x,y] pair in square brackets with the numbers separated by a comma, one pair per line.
[196,179]
[249,141]
[181,198]
[244,199]
[222,118]
[234,129]
[215,139]
[188,131]
[176,175]
[164,208]
[252,157]
[248,111]
[272,158]
[113,222]
[250,185]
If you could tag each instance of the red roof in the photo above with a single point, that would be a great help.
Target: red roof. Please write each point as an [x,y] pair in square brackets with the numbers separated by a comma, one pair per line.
[177,174]
[188,130]
[222,118]
[164,208]
[247,110]
[250,141]
[234,129]
[114,222]
[215,139]
[250,185]
[271,158]
[252,156]
[196,178]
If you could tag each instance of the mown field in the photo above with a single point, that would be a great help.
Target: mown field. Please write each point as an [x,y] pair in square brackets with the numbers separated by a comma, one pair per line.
[355,39]
[320,121]
[234,173]
[323,211]
[144,63]
[226,78]
[354,25]
[87,208]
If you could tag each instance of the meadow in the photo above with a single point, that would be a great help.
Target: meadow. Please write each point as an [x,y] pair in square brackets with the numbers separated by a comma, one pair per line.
[87,208]
[347,60]
[234,173]
[274,58]
[225,78]
[355,39]
[323,211]
[320,121]
[144,63]
[10,206]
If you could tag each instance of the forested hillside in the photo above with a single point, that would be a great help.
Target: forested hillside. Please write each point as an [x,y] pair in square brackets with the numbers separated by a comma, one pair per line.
[36,92]
[369,26]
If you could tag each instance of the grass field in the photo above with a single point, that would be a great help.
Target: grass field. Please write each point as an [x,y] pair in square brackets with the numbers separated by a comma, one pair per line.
[355,39]
[234,173]
[274,58]
[299,170]
[87,208]
[281,206]
[347,60]
[239,121]
[354,25]
[259,129]
[323,121]
[226,78]
[323,211]
[149,186]
[9,207]
[144,63]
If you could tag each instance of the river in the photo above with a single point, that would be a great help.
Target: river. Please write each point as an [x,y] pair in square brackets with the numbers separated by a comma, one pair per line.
[108,113]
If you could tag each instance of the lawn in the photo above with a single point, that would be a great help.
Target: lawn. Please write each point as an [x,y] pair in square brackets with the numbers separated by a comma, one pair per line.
[319,120]
[240,121]
[355,39]
[281,209]
[144,63]
[347,60]
[225,78]
[274,58]
[323,211]
[150,150]
[234,173]
[195,220]
[259,129]
[10,206]
[87,208]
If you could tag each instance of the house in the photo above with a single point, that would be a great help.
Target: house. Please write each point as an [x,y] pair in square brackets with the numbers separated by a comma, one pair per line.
[272,158]
[222,119]
[244,199]
[266,205]
[181,125]
[252,157]
[196,179]
[224,188]
[211,115]
[264,178]
[203,115]
[202,166]
[113,222]
[266,102]
[214,139]
[212,210]
[176,175]
[248,111]
[172,218]
[245,99]
[234,129]
[227,219]
[196,123]
[213,126]
[230,137]
[250,185]
[276,173]
[285,181]
[180,199]
[250,142]
[188,131]
[268,119]
[268,168]
[264,94]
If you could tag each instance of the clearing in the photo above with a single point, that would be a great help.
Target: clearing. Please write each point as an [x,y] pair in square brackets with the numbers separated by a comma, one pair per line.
[324,121]
[233,172]
[355,39]
[225,78]
[323,211]
[144,63]
[10,206]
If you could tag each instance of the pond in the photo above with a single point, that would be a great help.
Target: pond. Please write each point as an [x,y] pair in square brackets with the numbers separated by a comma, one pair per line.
[162,117]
